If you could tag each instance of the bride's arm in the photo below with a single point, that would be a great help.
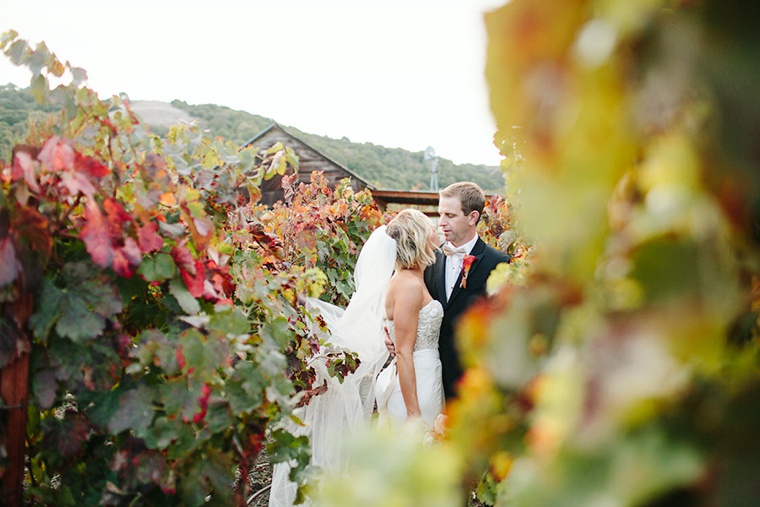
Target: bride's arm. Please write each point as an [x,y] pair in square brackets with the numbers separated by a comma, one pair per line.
[406,310]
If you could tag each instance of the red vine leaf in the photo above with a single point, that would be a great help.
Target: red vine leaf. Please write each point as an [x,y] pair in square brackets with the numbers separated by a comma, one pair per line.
[181,361]
[194,281]
[23,168]
[147,238]
[57,154]
[101,232]
[203,404]
[221,284]
[184,259]
[96,235]
[127,258]
[32,226]
[76,183]
[117,217]
[68,435]
[90,166]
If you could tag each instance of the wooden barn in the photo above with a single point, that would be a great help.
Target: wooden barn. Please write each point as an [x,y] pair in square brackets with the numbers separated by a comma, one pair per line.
[310,159]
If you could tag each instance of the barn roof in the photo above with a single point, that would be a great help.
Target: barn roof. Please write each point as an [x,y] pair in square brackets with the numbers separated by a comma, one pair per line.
[276,126]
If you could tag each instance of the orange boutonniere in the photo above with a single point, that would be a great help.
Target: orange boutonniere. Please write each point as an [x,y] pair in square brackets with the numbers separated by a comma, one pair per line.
[466,265]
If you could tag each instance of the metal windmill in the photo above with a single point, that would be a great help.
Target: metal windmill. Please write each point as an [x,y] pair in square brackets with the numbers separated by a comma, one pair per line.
[431,161]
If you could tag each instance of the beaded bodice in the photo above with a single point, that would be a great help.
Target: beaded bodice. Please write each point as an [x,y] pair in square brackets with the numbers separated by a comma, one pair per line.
[428,326]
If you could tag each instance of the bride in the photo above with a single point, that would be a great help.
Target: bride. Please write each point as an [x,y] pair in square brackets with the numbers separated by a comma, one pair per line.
[390,294]
[411,387]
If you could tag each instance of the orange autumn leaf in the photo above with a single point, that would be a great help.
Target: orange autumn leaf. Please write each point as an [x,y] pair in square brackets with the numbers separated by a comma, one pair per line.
[168,199]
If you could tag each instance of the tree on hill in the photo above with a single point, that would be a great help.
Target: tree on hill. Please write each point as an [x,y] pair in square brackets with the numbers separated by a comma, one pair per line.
[17,108]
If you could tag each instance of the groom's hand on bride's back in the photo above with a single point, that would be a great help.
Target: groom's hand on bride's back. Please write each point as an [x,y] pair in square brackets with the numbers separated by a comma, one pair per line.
[389,343]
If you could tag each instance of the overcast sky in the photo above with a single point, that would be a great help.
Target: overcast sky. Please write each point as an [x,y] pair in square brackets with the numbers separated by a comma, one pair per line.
[398,73]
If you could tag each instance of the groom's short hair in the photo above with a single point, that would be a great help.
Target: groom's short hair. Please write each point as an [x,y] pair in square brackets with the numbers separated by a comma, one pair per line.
[469,194]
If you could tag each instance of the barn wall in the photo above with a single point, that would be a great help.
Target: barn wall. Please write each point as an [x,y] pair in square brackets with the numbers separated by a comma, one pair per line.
[309,160]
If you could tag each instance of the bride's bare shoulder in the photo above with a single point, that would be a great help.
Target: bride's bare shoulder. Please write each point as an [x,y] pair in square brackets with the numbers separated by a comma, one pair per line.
[405,297]
[407,285]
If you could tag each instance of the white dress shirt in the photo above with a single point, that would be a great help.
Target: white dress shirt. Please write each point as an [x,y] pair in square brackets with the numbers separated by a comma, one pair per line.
[454,266]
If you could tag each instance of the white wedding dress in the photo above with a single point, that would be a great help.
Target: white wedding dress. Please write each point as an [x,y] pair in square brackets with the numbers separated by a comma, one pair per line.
[427,369]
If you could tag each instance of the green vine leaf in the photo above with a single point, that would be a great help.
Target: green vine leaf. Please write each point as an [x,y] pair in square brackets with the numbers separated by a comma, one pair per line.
[280,331]
[158,349]
[245,388]
[184,443]
[101,406]
[135,412]
[157,268]
[207,476]
[230,321]
[285,447]
[77,321]
[162,434]
[79,76]
[179,397]
[187,302]
[204,353]
[49,309]
[39,88]
[95,288]
[219,417]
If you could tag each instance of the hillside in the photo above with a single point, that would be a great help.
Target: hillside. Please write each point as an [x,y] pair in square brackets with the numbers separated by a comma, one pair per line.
[387,168]
[17,106]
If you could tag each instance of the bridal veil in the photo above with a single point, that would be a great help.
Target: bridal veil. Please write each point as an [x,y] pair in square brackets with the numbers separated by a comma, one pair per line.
[347,406]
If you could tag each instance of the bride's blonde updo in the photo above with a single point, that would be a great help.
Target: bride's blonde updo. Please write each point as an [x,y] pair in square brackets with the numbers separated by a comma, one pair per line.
[411,231]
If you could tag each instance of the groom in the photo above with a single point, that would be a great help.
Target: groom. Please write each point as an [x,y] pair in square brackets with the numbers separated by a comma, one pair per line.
[460,207]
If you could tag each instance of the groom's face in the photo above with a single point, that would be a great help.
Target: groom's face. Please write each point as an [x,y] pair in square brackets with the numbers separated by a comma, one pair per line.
[457,227]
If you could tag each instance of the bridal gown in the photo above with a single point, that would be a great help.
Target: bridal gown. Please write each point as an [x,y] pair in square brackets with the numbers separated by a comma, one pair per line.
[427,369]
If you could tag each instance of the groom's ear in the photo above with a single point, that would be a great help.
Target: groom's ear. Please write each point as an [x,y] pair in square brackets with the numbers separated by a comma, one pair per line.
[473,217]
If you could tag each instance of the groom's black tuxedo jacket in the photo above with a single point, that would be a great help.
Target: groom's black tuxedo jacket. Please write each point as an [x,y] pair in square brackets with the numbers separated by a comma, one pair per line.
[461,299]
